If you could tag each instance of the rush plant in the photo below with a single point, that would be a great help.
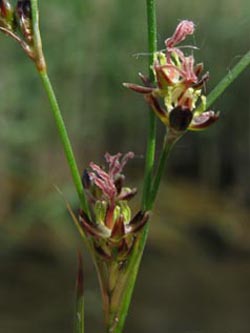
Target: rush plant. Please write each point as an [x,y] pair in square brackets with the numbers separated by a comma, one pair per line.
[173,90]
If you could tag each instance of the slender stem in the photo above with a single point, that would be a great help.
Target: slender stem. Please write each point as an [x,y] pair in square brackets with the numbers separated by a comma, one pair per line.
[152,34]
[129,281]
[65,139]
[150,154]
[41,68]
[39,57]
[167,146]
[135,258]
[228,79]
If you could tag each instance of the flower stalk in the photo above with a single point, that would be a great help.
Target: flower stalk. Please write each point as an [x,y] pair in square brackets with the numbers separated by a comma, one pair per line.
[63,134]
[151,141]
[39,56]
[168,144]
[134,260]
[40,63]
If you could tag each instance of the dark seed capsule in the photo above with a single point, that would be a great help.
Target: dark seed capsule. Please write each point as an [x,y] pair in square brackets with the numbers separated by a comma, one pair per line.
[180,118]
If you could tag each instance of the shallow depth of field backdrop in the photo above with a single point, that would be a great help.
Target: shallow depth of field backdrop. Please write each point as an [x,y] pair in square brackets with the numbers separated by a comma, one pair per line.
[195,276]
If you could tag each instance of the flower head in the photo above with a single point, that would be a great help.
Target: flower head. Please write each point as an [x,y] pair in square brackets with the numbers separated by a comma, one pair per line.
[109,182]
[111,226]
[177,98]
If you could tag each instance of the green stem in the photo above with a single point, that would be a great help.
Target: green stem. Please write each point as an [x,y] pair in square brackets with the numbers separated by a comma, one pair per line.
[65,140]
[151,141]
[39,57]
[167,146]
[228,79]
[129,280]
[41,67]
[135,258]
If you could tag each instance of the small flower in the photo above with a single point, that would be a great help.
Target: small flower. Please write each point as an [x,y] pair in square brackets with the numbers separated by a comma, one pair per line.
[183,29]
[179,85]
[111,227]
[18,23]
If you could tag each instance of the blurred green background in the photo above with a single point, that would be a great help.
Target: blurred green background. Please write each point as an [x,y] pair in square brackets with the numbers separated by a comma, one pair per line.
[195,275]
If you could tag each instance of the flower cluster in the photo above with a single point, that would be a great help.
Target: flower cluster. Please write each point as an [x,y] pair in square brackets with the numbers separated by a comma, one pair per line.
[110,224]
[16,22]
[179,85]
[6,15]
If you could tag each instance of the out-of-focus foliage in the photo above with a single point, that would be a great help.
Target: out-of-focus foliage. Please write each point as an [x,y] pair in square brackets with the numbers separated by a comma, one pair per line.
[91,48]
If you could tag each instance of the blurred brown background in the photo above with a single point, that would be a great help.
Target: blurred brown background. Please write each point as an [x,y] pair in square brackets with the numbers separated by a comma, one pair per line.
[195,275]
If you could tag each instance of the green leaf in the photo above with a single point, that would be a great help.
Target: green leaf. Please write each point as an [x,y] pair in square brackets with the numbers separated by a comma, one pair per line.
[228,79]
